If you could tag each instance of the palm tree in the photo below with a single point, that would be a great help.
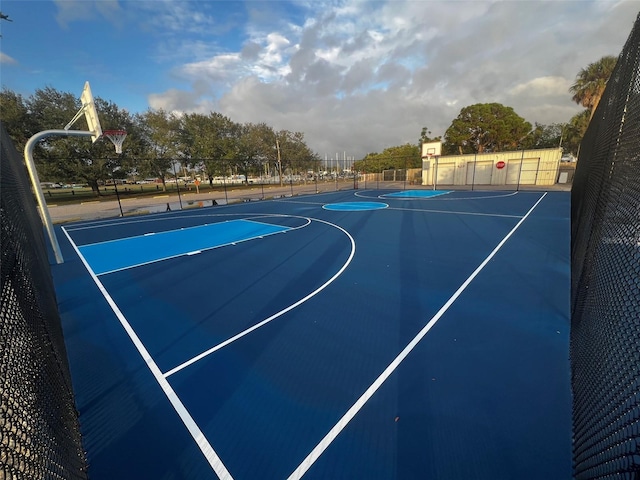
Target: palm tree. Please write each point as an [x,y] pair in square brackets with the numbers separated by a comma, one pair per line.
[591,82]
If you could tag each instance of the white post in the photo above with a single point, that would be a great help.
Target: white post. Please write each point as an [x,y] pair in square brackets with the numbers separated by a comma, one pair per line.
[35,182]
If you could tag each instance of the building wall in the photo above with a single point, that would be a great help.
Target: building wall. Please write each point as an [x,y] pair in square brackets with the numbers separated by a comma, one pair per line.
[521,167]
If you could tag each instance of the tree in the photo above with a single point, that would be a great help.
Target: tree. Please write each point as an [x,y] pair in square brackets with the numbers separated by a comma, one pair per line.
[155,141]
[293,156]
[591,82]
[16,118]
[249,155]
[208,142]
[52,109]
[392,158]
[61,158]
[68,159]
[98,163]
[161,134]
[77,159]
[574,131]
[425,137]
[545,136]
[485,127]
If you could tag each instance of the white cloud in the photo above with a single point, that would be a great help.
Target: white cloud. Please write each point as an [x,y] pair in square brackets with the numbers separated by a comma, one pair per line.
[173,100]
[271,63]
[218,68]
[543,86]
[6,59]
[361,76]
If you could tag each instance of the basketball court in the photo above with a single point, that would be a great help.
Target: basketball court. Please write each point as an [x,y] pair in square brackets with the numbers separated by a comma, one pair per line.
[359,334]
[354,334]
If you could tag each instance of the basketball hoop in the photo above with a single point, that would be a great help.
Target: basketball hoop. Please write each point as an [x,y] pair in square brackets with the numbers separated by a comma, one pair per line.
[117,138]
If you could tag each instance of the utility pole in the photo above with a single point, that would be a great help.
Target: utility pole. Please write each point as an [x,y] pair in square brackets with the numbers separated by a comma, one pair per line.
[279,161]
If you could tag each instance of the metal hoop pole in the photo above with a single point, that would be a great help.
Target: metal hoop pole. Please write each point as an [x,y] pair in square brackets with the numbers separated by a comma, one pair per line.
[35,181]
[435,173]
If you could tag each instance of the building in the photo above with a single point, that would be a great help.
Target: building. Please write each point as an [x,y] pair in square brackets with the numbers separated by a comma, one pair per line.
[520,167]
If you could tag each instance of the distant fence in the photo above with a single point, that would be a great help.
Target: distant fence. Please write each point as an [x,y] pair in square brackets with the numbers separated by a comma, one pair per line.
[527,175]
[605,281]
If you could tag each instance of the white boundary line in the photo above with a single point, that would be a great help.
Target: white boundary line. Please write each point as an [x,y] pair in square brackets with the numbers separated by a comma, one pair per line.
[396,196]
[304,203]
[455,212]
[160,217]
[163,232]
[356,407]
[438,197]
[202,442]
[276,315]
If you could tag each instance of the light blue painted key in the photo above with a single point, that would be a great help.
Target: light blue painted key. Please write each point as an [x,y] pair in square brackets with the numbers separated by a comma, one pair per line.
[114,255]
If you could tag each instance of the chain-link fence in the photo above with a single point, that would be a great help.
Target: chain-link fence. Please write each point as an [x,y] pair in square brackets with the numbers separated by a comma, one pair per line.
[605,250]
[39,432]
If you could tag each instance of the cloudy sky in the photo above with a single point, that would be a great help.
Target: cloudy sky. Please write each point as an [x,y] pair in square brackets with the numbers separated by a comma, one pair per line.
[353,76]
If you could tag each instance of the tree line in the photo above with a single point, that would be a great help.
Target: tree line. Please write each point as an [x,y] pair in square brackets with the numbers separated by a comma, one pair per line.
[160,142]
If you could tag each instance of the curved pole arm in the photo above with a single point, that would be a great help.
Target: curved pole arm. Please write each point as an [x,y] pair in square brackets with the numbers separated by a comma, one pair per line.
[35,181]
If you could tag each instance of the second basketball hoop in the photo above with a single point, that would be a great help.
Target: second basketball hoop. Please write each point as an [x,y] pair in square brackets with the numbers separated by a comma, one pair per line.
[117,138]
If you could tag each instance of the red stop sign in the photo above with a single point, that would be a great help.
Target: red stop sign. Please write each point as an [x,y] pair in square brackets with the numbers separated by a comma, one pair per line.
[500,164]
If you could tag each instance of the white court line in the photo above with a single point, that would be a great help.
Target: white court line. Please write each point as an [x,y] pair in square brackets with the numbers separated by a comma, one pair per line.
[456,213]
[202,355]
[355,408]
[149,234]
[202,442]
[382,197]
[304,203]
[159,218]
[440,198]
[109,222]
[395,196]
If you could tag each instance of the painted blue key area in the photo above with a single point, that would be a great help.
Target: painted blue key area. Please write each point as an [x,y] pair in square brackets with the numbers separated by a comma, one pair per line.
[355,206]
[417,193]
[125,253]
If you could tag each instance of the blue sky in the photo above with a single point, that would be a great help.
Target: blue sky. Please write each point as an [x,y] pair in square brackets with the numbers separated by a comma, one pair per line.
[353,76]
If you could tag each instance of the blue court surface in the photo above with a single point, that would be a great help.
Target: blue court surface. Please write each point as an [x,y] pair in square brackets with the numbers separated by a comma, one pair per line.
[319,337]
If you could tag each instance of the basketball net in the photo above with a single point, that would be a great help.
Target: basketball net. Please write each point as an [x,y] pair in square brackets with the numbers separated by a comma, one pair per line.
[117,138]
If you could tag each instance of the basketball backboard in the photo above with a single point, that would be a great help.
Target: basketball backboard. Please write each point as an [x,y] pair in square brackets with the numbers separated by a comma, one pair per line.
[90,113]
[431,149]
